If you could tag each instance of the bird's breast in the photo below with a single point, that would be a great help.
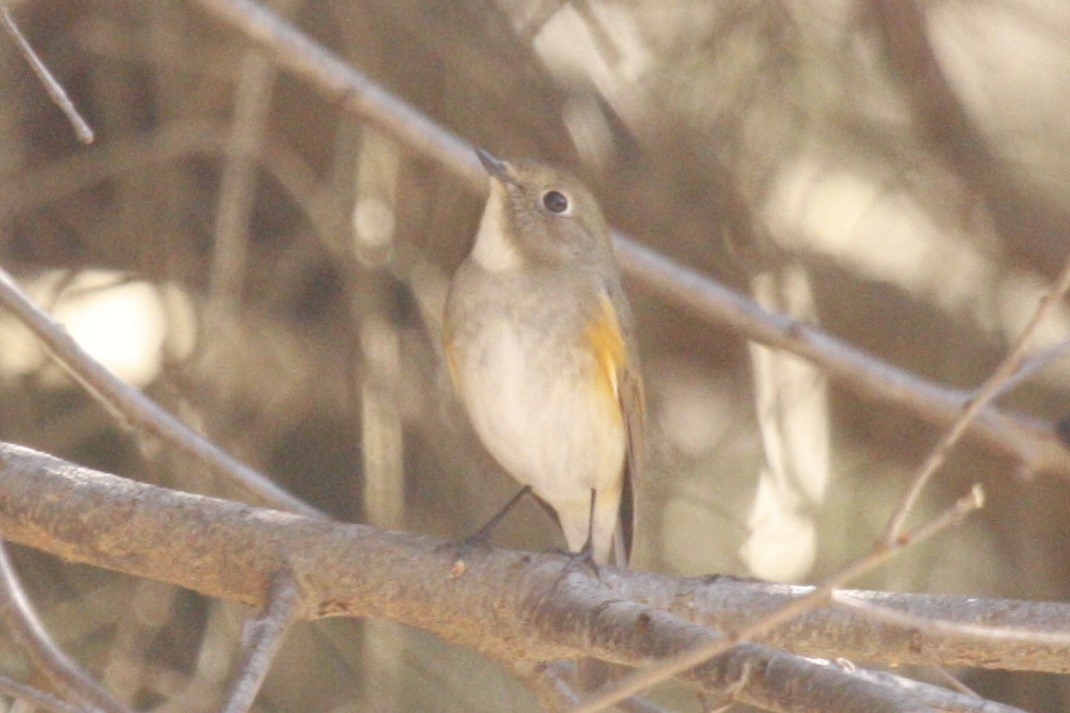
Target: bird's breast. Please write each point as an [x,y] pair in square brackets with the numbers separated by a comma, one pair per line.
[539,396]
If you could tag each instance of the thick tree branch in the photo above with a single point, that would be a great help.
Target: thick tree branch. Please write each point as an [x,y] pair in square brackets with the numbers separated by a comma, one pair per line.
[224,549]
[232,551]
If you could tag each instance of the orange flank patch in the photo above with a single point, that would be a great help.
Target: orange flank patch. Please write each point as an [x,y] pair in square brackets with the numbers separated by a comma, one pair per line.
[607,344]
[451,360]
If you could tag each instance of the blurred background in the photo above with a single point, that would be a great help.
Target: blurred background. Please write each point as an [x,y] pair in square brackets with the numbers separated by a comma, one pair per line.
[273,272]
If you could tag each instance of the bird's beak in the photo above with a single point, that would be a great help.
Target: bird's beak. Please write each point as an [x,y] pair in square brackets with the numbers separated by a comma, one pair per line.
[495,167]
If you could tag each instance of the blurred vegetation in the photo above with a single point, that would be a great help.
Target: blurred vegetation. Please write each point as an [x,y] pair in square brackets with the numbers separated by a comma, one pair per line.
[272,272]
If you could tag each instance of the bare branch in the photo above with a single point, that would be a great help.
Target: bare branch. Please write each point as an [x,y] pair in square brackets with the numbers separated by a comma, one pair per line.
[1031,441]
[552,683]
[352,91]
[955,683]
[229,550]
[237,188]
[234,551]
[262,637]
[958,628]
[939,698]
[1035,363]
[991,387]
[133,407]
[695,655]
[47,657]
[55,90]
[47,701]
[722,604]
[637,704]
[628,632]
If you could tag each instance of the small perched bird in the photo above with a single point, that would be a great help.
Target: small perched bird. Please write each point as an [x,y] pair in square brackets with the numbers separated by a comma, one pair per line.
[541,346]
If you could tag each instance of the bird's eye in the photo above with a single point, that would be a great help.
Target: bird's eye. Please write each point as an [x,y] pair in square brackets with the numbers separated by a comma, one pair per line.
[555,202]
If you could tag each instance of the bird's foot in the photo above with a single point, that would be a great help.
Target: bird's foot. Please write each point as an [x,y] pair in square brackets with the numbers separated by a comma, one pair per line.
[460,549]
[575,560]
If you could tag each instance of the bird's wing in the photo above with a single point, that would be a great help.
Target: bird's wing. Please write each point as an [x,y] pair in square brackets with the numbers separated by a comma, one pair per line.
[619,359]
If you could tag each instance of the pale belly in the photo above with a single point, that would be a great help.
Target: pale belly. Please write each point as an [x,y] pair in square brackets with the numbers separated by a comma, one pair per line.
[543,416]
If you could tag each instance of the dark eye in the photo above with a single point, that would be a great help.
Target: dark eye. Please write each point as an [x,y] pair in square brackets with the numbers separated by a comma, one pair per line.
[555,201]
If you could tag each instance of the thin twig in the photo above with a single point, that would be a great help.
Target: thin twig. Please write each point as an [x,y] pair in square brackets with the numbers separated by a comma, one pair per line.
[133,407]
[1032,441]
[226,277]
[1032,365]
[55,90]
[262,638]
[14,689]
[555,683]
[955,683]
[668,668]
[48,659]
[550,683]
[985,394]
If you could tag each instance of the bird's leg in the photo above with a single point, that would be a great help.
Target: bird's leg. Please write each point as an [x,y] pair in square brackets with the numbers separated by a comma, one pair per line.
[481,536]
[586,554]
[591,674]
[588,547]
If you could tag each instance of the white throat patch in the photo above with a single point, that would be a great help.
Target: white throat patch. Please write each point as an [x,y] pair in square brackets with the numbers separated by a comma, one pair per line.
[493,250]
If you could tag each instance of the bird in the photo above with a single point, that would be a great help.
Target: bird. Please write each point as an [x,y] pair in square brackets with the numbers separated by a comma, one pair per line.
[541,345]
